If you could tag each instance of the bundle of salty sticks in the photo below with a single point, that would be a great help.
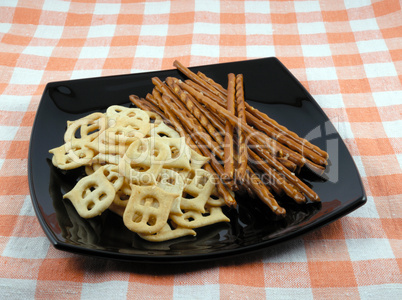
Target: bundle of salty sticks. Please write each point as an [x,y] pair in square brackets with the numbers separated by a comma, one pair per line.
[242,142]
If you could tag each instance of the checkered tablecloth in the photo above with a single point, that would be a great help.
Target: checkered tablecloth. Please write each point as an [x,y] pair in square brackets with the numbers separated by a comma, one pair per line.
[348,54]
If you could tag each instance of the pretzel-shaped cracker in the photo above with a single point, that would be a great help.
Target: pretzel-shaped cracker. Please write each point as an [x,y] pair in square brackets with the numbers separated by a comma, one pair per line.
[85,129]
[215,199]
[168,233]
[148,209]
[122,195]
[179,155]
[72,155]
[172,182]
[197,160]
[111,172]
[108,144]
[143,160]
[195,219]
[162,130]
[106,158]
[197,191]
[117,111]
[92,195]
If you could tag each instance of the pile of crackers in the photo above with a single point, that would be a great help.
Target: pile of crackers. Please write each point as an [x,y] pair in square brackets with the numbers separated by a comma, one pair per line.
[141,169]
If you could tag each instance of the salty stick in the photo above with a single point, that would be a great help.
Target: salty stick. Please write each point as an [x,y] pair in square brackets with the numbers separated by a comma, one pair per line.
[206,92]
[291,177]
[223,191]
[289,189]
[145,104]
[304,144]
[152,99]
[284,140]
[194,77]
[185,98]
[168,113]
[222,112]
[263,193]
[187,118]
[228,145]
[282,129]
[241,137]
[216,85]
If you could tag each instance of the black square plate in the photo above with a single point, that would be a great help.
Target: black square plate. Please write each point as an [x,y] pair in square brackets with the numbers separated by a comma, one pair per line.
[271,88]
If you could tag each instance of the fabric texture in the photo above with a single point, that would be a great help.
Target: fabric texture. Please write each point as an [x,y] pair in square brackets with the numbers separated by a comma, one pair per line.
[348,54]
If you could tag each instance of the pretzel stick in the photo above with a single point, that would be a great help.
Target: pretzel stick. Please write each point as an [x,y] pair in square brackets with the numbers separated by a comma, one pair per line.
[200,136]
[222,190]
[298,159]
[168,114]
[275,147]
[291,177]
[282,185]
[263,193]
[185,98]
[228,145]
[217,123]
[294,157]
[172,117]
[270,201]
[187,119]
[271,122]
[242,146]
[284,140]
[289,189]
[220,111]
[151,99]
[219,126]
[217,86]
[188,127]
[282,129]
[291,166]
[206,92]
[190,123]
[186,71]
[218,170]
[145,105]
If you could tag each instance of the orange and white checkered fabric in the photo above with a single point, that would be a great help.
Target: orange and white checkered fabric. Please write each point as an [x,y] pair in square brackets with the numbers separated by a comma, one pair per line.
[348,54]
